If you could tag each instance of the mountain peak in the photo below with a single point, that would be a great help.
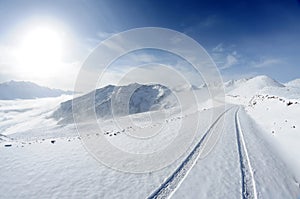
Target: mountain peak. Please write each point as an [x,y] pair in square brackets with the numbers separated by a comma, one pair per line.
[139,97]
[249,87]
[293,83]
[265,81]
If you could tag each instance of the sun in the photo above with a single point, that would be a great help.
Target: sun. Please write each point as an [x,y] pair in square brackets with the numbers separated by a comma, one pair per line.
[40,50]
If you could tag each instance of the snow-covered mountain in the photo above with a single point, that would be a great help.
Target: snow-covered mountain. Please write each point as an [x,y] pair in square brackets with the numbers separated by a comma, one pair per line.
[261,143]
[232,84]
[246,89]
[144,98]
[249,87]
[293,83]
[27,90]
[114,100]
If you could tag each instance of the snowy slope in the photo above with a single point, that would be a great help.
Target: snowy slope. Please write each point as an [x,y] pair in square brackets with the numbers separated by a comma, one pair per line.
[233,84]
[276,109]
[114,100]
[255,157]
[293,83]
[280,119]
[242,165]
[254,85]
[242,91]
[64,169]
[245,89]
[27,90]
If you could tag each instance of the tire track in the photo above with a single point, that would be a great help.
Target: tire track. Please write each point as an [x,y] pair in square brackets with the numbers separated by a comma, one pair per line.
[247,174]
[169,186]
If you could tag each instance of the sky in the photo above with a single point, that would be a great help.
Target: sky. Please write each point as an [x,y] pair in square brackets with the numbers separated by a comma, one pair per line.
[244,38]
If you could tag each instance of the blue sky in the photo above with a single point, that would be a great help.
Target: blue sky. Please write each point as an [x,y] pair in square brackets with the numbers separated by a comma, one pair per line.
[244,38]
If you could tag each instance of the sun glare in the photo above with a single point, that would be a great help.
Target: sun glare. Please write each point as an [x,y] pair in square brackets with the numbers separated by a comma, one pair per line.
[40,51]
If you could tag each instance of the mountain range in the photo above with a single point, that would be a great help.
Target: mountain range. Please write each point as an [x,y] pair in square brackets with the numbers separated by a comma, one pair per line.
[116,100]
[27,90]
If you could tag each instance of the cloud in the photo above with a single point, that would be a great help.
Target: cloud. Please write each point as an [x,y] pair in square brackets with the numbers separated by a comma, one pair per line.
[104,35]
[209,21]
[140,64]
[266,63]
[151,73]
[225,57]
[100,36]
[202,23]
[142,58]
[231,60]
[218,49]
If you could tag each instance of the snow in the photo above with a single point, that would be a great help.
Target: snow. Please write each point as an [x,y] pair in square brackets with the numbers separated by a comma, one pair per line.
[275,108]
[63,170]
[118,101]
[218,175]
[283,129]
[35,166]
[252,151]
[251,86]
[293,83]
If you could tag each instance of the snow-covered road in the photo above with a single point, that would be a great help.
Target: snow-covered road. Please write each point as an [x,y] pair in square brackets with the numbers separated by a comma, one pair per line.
[242,165]
[170,185]
[247,174]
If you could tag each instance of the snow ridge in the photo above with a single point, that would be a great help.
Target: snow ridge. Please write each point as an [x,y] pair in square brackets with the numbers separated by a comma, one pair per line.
[112,101]
[251,86]
[294,83]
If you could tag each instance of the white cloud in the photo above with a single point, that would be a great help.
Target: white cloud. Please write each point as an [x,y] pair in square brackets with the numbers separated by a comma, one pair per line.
[100,36]
[226,61]
[208,21]
[231,60]
[266,63]
[204,23]
[218,49]
[225,56]
[150,73]
[141,67]
[141,58]
[104,35]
